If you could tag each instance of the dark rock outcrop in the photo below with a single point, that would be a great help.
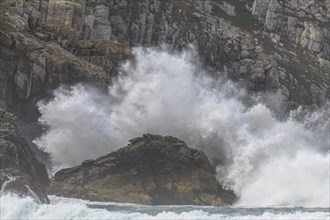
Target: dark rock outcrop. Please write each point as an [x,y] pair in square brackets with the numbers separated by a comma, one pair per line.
[151,170]
[20,171]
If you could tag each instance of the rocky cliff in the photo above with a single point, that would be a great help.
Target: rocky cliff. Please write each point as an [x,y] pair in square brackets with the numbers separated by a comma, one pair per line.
[20,171]
[300,31]
[271,45]
[152,169]
[38,55]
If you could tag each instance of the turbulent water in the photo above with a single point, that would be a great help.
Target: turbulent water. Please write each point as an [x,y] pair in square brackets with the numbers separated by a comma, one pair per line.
[269,161]
[60,208]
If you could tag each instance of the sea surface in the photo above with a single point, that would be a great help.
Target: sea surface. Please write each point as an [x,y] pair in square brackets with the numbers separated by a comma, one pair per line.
[13,207]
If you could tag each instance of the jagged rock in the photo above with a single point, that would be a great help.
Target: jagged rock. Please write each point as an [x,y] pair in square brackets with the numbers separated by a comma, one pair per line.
[260,7]
[303,20]
[33,65]
[293,28]
[38,68]
[228,8]
[224,43]
[103,29]
[302,26]
[65,13]
[20,171]
[312,38]
[152,169]
[205,5]
[273,20]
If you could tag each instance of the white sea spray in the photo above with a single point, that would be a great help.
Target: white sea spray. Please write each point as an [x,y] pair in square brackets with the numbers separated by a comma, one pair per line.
[267,161]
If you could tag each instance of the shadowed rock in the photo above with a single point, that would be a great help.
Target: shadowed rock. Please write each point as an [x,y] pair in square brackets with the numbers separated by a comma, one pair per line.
[20,171]
[152,169]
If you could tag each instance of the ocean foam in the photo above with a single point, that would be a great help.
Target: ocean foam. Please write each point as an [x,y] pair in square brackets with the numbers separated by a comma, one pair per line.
[13,207]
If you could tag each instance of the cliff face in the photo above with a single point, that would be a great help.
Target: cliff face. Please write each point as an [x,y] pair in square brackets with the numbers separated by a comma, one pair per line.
[37,56]
[300,31]
[271,45]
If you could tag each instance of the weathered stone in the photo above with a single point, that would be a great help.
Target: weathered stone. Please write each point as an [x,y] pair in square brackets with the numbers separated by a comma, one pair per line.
[220,40]
[228,8]
[312,38]
[67,12]
[20,171]
[260,7]
[303,30]
[151,170]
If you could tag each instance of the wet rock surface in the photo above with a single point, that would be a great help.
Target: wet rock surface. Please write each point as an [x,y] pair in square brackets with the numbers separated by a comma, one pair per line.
[152,169]
[20,171]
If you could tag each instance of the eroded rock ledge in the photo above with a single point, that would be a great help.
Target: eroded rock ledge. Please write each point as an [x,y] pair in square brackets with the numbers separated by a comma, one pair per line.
[152,170]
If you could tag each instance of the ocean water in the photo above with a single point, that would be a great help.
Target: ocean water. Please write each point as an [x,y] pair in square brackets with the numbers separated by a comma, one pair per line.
[13,207]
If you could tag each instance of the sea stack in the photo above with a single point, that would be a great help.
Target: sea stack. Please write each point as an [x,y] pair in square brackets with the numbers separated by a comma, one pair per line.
[152,169]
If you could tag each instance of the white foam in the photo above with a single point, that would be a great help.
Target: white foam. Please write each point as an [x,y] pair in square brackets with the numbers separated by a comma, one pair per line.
[13,207]
[301,180]
[265,160]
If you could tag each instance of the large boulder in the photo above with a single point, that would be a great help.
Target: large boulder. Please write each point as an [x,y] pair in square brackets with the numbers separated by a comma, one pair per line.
[152,170]
[20,171]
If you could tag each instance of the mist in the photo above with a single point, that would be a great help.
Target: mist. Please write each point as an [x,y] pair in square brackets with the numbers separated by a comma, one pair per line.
[266,161]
